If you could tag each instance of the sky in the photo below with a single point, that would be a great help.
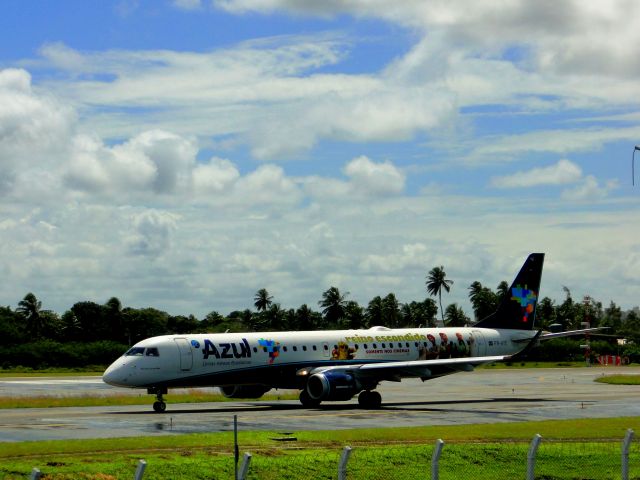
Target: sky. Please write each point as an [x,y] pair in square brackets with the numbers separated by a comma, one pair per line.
[183,154]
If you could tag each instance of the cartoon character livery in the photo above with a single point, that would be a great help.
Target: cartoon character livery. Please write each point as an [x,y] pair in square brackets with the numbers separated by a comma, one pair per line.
[333,365]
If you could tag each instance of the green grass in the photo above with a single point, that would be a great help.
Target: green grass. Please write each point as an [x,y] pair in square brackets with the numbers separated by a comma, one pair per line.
[89,370]
[192,396]
[478,461]
[471,451]
[619,379]
[510,365]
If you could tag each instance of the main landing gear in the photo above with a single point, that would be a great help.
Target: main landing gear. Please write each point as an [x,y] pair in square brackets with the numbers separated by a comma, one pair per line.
[158,406]
[307,401]
[370,399]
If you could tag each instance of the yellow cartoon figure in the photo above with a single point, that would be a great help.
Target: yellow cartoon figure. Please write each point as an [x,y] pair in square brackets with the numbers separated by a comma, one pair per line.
[342,351]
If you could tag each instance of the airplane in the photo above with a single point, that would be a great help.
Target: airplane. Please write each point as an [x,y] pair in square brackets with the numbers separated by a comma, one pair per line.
[334,365]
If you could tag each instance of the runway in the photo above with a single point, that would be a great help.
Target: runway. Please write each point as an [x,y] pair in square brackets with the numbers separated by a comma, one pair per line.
[484,396]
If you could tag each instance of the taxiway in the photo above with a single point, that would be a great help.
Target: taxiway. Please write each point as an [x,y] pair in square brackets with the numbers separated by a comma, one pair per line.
[484,396]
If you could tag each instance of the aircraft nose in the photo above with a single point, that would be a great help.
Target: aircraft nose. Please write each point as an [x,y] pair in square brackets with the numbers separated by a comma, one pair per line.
[115,375]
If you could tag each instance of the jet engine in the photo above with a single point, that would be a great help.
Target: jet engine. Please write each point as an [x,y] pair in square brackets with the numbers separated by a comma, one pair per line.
[244,391]
[332,385]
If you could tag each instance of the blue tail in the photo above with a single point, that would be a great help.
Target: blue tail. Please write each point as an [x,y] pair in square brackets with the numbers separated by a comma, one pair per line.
[518,310]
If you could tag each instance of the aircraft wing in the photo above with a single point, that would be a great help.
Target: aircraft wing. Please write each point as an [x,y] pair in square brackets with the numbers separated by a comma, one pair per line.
[395,370]
[413,368]
[569,333]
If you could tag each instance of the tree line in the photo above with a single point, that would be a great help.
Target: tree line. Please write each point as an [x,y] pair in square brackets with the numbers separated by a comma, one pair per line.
[90,333]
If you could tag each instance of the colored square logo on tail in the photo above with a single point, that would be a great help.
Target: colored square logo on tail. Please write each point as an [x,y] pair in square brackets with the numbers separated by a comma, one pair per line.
[526,298]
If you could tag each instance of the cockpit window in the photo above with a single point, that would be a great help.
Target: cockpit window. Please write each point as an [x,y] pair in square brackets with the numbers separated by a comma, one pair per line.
[135,352]
[152,352]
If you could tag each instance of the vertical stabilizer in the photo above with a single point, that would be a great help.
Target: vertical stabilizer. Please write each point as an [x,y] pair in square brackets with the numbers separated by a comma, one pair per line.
[518,310]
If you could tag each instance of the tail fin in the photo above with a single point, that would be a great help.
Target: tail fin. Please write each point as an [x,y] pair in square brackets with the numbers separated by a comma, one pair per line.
[518,310]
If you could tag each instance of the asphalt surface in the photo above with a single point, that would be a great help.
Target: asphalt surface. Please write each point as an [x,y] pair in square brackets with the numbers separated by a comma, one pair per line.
[484,396]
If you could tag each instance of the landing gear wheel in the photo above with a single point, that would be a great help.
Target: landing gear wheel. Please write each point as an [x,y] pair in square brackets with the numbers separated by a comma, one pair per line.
[307,401]
[158,406]
[371,400]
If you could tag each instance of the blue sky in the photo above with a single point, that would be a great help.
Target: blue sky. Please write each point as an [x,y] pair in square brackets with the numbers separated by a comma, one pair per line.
[184,154]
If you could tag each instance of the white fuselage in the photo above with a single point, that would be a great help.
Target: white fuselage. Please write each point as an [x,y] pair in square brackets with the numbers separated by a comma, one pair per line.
[273,359]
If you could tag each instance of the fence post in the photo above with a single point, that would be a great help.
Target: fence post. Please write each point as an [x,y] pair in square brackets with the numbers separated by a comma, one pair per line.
[435,460]
[140,470]
[626,445]
[35,474]
[244,468]
[342,466]
[531,456]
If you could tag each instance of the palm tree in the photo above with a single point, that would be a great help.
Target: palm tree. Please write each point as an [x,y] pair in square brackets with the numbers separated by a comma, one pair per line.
[455,316]
[30,307]
[373,311]
[275,317]
[483,300]
[354,314]
[262,300]
[333,305]
[503,291]
[391,311]
[436,281]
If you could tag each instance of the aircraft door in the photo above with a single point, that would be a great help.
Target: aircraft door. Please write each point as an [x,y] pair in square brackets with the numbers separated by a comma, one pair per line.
[325,349]
[186,357]
[479,344]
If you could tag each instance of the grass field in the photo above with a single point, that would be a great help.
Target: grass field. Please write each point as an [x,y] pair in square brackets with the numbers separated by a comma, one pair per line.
[571,449]
[620,379]
[193,396]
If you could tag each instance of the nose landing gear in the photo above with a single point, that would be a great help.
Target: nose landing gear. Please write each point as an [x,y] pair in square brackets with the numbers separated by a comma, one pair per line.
[158,406]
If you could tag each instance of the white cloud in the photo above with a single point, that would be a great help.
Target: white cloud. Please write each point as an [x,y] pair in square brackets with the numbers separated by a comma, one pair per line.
[561,173]
[188,4]
[153,233]
[127,206]
[374,178]
[589,190]
[215,177]
[268,184]
[64,57]
[29,121]
[570,37]
[154,160]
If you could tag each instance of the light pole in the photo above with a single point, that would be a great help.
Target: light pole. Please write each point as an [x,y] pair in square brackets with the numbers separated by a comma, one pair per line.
[633,161]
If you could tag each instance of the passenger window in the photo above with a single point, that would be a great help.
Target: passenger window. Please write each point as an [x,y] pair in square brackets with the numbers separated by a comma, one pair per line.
[295,349]
[383,346]
[284,349]
[255,350]
[326,347]
[365,346]
[391,345]
[135,352]
[152,352]
[314,348]
[304,348]
[375,345]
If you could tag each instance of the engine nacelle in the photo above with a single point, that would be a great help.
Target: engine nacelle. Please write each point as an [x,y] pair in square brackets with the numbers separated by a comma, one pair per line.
[244,391]
[332,386]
